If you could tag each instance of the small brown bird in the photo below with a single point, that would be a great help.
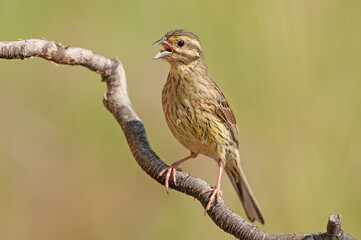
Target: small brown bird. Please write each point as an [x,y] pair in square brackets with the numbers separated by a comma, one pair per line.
[200,117]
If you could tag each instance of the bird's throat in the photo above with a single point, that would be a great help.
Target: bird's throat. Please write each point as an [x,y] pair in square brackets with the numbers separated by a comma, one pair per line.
[189,70]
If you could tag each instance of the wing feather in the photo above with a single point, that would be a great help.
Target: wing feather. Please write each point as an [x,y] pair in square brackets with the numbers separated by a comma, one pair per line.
[225,113]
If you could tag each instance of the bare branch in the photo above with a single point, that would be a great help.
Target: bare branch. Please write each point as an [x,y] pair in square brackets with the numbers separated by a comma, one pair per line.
[116,100]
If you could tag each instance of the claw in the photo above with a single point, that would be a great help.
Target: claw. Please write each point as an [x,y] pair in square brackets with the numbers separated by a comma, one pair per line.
[170,170]
[216,193]
[173,174]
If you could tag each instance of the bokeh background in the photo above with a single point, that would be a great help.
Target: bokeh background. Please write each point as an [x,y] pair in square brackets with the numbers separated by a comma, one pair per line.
[291,71]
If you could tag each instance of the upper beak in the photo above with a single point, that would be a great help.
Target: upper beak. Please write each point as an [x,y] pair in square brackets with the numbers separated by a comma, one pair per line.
[162,53]
[160,41]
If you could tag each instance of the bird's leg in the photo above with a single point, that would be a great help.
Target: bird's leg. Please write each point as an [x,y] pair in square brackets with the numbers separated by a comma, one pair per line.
[216,191]
[172,168]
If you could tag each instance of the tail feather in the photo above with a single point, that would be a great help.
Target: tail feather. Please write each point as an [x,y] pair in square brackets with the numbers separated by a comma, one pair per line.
[239,181]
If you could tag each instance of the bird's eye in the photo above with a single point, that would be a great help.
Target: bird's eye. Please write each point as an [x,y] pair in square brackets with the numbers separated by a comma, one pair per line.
[180,43]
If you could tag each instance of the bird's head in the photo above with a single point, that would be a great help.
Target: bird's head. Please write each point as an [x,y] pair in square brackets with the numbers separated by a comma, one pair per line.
[181,47]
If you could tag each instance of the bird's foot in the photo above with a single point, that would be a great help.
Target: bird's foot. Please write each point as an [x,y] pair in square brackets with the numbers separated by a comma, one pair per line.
[216,193]
[169,171]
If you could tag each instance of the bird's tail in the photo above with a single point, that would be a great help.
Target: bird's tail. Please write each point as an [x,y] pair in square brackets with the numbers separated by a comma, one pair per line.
[236,175]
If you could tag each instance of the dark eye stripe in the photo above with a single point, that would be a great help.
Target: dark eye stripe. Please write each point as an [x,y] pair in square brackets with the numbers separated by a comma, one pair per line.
[192,46]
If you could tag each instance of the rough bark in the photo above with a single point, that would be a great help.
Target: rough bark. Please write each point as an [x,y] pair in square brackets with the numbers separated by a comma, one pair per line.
[116,100]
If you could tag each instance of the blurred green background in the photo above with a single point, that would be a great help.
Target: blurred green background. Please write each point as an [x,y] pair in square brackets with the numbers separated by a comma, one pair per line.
[291,71]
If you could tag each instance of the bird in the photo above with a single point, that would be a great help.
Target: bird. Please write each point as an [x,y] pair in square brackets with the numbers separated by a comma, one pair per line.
[200,117]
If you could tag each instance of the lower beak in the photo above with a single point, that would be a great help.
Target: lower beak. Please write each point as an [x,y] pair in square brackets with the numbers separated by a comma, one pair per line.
[161,53]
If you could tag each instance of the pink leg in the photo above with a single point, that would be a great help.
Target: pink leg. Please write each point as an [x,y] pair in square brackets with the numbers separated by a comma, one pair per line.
[172,168]
[216,191]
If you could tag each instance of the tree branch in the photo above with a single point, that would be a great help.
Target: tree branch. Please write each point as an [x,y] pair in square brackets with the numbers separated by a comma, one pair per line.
[116,100]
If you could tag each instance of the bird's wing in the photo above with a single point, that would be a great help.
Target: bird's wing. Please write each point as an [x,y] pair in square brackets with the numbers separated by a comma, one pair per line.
[225,113]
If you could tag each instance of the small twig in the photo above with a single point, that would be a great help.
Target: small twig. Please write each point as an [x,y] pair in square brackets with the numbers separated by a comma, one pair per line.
[334,227]
[116,100]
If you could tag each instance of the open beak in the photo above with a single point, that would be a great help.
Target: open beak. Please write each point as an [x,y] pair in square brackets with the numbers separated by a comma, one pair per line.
[165,52]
